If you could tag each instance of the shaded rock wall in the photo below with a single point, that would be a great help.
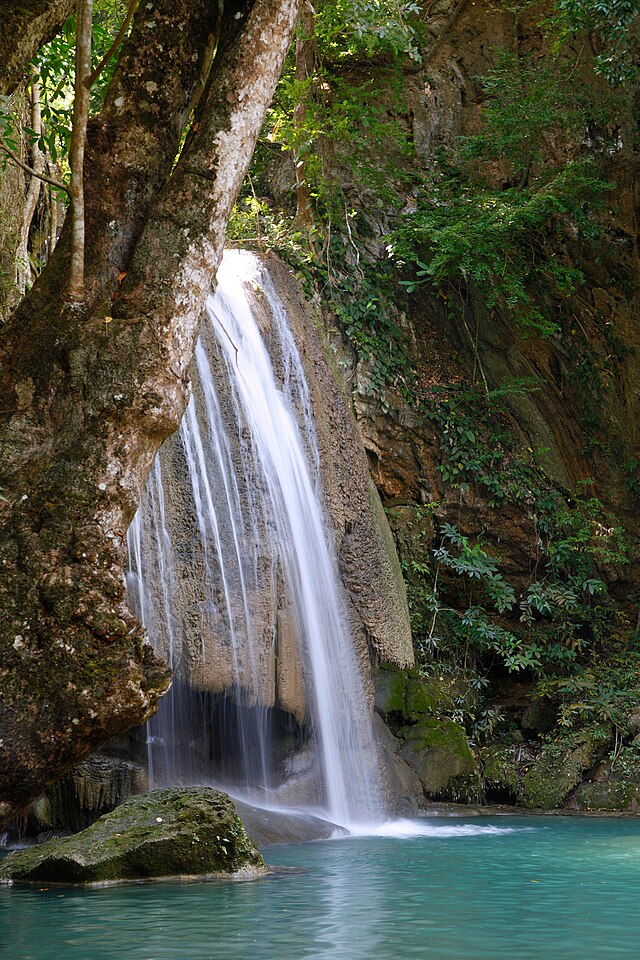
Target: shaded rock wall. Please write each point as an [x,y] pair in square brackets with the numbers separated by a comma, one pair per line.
[580,417]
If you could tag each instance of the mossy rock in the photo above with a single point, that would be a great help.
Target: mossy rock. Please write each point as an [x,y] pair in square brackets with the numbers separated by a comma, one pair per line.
[500,768]
[167,833]
[390,690]
[403,692]
[439,752]
[607,795]
[417,700]
[540,716]
[559,769]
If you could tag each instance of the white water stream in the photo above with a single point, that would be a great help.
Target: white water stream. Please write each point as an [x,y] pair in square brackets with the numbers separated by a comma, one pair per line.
[254,480]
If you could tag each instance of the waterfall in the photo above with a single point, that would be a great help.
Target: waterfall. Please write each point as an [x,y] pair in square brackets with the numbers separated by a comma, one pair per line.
[242,591]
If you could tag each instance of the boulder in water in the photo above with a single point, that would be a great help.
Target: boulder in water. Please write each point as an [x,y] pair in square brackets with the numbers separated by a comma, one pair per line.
[189,832]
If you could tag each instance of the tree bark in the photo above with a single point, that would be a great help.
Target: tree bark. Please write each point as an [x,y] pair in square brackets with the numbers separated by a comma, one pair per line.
[84,23]
[26,26]
[86,401]
[23,267]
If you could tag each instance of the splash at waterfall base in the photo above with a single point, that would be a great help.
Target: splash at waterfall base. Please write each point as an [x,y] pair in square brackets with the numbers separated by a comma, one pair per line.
[262,565]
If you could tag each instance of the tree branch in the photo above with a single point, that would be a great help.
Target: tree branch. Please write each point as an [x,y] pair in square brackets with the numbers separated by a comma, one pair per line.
[23,266]
[84,13]
[41,176]
[450,23]
[116,43]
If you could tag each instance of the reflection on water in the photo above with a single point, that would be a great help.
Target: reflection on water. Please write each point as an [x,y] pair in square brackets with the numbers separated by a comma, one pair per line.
[439,889]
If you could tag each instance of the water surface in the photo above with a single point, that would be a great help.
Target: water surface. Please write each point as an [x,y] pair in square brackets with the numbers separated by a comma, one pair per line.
[487,889]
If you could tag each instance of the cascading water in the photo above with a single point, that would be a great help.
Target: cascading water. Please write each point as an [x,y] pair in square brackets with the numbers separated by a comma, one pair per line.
[249,460]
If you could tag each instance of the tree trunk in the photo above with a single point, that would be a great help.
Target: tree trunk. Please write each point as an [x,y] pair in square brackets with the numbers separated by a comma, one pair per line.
[26,25]
[84,23]
[86,400]
[23,266]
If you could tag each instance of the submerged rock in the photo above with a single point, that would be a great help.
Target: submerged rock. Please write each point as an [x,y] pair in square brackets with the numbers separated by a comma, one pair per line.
[190,832]
[285,826]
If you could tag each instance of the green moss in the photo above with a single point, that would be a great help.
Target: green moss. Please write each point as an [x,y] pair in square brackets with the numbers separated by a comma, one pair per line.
[445,734]
[412,697]
[419,700]
[165,833]
[439,753]
[559,769]
[390,690]
[607,795]
[500,768]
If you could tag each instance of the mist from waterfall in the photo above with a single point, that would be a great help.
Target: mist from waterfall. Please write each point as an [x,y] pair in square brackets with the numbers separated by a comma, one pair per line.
[250,461]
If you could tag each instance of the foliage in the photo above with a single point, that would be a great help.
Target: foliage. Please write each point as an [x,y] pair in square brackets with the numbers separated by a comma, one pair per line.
[345,125]
[356,28]
[559,616]
[55,71]
[526,102]
[611,23]
[606,688]
[503,232]
[477,444]
[503,242]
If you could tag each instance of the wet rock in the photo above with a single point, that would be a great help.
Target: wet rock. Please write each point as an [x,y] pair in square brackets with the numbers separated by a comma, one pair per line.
[559,769]
[607,795]
[390,691]
[279,826]
[439,753]
[182,832]
[402,786]
[368,561]
[93,788]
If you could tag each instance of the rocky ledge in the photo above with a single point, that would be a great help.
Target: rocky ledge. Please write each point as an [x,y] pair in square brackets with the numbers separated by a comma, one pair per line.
[191,832]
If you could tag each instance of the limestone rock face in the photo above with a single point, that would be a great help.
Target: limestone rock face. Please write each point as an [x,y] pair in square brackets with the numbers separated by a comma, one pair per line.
[266,668]
[93,788]
[369,564]
[167,833]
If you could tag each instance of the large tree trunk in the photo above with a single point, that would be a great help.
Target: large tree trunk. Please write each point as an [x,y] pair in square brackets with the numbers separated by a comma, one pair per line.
[87,395]
[26,25]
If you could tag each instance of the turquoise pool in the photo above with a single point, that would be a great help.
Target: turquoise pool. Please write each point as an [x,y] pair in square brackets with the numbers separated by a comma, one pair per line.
[487,889]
